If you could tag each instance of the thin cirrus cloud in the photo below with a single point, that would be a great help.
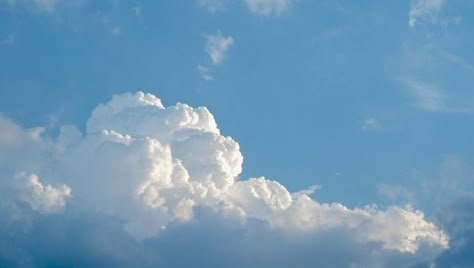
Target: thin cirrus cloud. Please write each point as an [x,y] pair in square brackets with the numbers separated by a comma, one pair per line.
[217,46]
[212,5]
[423,10]
[204,73]
[268,7]
[370,124]
[430,97]
[426,96]
[259,7]
[48,6]
[149,171]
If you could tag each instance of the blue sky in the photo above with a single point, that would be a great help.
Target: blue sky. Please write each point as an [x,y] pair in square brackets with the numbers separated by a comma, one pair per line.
[372,102]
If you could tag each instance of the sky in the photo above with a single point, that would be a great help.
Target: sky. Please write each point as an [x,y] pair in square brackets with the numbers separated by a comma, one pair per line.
[243,133]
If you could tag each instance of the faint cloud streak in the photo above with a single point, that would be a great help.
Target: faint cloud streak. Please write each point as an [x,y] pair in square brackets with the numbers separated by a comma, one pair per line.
[217,46]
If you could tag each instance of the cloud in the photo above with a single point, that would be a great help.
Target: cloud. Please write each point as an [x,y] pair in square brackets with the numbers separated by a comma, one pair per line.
[456,216]
[457,61]
[204,73]
[41,5]
[268,7]
[138,11]
[47,5]
[42,198]
[422,10]
[396,193]
[212,5]
[146,177]
[259,7]
[217,46]
[427,97]
[370,124]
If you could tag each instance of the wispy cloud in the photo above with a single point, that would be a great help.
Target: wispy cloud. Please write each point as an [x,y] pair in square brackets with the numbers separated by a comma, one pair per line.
[427,96]
[217,46]
[212,5]
[268,7]
[46,5]
[138,10]
[259,7]
[204,72]
[396,193]
[421,10]
[457,60]
[370,124]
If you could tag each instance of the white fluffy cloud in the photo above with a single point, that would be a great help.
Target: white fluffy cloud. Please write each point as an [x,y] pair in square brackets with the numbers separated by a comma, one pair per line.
[423,10]
[151,166]
[217,46]
[42,198]
[268,7]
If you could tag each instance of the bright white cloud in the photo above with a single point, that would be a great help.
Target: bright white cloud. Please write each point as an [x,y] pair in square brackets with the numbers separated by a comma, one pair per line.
[423,10]
[151,166]
[217,46]
[268,7]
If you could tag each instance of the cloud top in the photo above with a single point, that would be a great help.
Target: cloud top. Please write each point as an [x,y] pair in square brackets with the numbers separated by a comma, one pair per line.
[152,166]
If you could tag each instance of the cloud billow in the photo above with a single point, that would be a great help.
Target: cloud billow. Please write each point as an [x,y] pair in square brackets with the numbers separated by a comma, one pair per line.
[144,179]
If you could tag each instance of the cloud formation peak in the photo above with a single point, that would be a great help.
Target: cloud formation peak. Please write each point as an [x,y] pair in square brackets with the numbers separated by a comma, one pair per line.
[151,166]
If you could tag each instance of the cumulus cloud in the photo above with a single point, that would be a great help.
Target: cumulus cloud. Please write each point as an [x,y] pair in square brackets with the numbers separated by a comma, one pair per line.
[268,7]
[42,198]
[423,10]
[154,173]
[217,46]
